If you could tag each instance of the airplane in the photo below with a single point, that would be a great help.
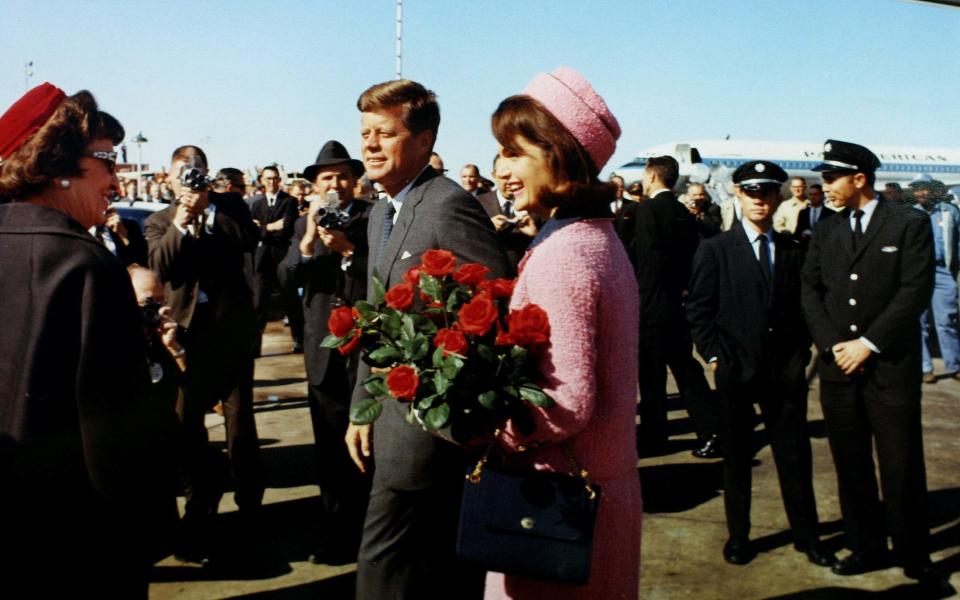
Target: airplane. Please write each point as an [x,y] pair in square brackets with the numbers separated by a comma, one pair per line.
[714,161]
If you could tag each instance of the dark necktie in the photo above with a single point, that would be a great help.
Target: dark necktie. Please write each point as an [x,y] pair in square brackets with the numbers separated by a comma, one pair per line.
[765,265]
[857,227]
[387,228]
[508,209]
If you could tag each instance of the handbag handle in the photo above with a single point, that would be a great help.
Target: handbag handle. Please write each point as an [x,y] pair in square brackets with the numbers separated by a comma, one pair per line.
[575,466]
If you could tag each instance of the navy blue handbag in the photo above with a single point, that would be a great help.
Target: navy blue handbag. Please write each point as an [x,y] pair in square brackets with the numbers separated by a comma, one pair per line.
[531,523]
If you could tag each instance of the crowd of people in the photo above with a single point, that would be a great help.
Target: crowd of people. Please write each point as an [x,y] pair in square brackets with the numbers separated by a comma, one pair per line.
[116,343]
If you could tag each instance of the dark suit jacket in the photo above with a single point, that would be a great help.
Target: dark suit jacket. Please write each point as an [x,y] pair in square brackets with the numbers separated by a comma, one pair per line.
[274,244]
[877,291]
[664,243]
[709,221]
[735,318]
[323,281]
[212,262]
[436,214]
[803,220]
[513,242]
[624,222]
[136,250]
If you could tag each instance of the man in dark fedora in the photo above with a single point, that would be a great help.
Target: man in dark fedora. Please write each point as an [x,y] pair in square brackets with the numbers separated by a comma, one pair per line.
[867,278]
[329,262]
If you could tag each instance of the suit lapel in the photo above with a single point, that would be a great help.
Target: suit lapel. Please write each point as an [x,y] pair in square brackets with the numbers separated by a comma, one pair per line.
[876,223]
[405,219]
[841,228]
[745,261]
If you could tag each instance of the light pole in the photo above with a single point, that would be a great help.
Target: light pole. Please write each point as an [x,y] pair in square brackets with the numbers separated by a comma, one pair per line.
[399,39]
[139,140]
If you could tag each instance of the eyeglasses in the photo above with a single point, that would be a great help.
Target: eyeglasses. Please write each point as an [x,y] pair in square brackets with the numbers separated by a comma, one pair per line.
[109,158]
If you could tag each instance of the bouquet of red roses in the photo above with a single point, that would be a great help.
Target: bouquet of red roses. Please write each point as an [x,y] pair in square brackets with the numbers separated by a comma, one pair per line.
[445,342]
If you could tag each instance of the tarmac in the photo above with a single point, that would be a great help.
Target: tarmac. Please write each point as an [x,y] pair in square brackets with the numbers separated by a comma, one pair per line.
[683,529]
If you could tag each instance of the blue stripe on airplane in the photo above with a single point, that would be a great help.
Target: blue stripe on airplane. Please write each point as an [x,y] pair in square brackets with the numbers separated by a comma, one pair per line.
[806,165]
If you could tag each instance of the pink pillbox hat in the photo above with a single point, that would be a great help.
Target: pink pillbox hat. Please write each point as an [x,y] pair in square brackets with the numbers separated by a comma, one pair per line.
[573,101]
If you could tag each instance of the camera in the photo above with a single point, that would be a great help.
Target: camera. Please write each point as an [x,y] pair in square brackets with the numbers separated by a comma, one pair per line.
[329,215]
[195,179]
[150,313]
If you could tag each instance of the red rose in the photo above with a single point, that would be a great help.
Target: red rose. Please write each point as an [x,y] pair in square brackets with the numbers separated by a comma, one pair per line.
[529,325]
[451,340]
[470,274]
[478,315]
[400,296]
[412,276]
[500,288]
[402,382]
[438,262]
[351,345]
[504,339]
[341,321]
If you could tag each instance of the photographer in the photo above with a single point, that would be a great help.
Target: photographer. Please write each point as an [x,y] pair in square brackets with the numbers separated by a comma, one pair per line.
[327,257]
[197,247]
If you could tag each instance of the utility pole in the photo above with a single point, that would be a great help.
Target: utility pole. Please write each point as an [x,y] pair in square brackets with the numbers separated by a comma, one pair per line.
[399,39]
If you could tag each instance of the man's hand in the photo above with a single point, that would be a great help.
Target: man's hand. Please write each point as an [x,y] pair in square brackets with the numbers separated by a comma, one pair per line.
[358,444]
[190,204]
[275,226]
[335,240]
[850,356]
[500,222]
[115,224]
[713,367]
[527,226]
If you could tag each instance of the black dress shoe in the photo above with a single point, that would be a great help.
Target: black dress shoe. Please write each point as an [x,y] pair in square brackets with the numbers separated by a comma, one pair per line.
[861,562]
[738,553]
[326,555]
[817,554]
[929,577]
[710,449]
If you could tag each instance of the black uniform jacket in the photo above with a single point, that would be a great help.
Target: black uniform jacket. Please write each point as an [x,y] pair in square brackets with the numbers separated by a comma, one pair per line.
[877,291]
[735,318]
[325,282]
[274,243]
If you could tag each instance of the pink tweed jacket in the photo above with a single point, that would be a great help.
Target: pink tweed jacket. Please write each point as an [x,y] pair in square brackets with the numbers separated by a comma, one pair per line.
[581,277]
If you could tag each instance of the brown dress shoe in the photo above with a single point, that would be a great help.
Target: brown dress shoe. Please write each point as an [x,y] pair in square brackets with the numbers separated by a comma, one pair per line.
[929,377]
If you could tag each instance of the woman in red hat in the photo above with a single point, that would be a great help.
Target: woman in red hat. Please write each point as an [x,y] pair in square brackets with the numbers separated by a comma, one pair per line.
[554,139]
[83,493]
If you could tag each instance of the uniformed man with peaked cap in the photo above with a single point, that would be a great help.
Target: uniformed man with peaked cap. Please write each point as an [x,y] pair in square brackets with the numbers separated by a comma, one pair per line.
[867,278]
[744,312]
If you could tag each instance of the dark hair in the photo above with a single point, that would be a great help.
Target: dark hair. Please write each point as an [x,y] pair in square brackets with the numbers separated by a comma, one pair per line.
[421,112]
[186,153]
[816,186]
[56,148]
[792,179]
[666,169]
[273,168]
[496,157]
[230,175]
[472,166]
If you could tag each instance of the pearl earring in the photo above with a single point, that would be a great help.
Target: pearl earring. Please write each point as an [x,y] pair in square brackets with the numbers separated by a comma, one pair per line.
[64,183]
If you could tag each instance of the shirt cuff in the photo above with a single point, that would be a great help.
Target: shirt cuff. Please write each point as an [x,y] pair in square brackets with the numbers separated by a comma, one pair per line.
[870,345]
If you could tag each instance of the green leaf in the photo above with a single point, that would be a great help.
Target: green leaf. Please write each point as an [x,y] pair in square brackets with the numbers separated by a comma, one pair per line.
[518,354]
[391,324]
[379,290]
[425,403]
[510,391]
[419,347]
[365,411]
[441,383]
[408,330]
[366,310]
[488,399]
[332,341]
[424,324]
[452,300]
[536,396]
[438,359]
[486,353]
[385,353]
[431,286]
[375,385]
[452,366]
[437,417]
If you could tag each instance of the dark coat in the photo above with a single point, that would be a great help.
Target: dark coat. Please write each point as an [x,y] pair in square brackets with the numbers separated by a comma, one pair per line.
[324,282]
[83,449]
[732,314]
[709,221]
[273,244]
[513,242]
[664,243]
[878,291]
[135,251]
[211,262]
[436,214]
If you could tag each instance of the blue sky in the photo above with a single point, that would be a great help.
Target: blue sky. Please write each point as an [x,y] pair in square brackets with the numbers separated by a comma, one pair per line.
[256,82]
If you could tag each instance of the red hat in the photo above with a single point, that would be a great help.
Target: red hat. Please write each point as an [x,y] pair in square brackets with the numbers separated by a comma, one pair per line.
[27,115]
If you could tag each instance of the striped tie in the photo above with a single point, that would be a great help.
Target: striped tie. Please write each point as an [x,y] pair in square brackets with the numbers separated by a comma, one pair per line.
[387,228]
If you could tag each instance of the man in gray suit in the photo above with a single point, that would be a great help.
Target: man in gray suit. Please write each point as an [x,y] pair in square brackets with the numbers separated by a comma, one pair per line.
[407,550]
